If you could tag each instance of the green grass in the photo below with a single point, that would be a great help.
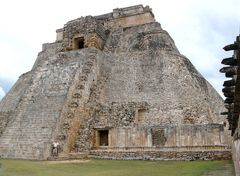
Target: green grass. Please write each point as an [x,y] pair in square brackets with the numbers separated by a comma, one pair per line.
[109,168]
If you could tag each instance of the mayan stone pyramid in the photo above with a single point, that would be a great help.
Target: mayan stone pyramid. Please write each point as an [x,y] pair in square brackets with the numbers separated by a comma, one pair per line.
[113,86]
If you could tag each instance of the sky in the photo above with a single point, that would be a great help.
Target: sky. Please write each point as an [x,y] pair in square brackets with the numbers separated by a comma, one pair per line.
[200,28]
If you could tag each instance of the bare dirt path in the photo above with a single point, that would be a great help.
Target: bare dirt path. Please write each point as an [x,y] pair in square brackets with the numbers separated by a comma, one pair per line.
[68,161]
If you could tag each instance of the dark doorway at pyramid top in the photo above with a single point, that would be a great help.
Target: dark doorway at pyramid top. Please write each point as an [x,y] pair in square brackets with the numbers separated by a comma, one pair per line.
[79,43]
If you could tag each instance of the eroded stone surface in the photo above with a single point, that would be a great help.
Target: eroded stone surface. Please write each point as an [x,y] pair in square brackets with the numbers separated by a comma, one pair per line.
[126,87]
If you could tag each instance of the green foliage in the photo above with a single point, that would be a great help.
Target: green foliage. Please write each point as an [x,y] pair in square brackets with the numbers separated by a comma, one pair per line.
[110,168]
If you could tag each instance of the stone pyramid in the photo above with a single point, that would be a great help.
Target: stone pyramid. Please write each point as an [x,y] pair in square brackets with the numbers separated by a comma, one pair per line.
[113,86]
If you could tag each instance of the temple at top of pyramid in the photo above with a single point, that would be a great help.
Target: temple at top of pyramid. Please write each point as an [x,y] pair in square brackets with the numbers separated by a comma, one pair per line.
[113,86]
[91,31]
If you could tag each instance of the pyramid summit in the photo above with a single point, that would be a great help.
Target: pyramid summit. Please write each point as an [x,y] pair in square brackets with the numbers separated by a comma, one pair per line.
[113,86]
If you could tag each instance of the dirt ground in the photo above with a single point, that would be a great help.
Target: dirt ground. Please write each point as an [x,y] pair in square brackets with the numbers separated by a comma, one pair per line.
[68,161]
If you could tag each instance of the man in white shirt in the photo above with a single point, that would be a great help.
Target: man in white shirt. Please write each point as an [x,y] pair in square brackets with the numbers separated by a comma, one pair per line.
[55,148]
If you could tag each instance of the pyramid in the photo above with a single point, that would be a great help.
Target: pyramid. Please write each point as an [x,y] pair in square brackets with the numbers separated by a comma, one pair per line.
[113,86]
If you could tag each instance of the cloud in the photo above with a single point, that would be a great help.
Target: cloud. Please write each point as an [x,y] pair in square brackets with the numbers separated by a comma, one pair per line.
[2,93]
[15,59]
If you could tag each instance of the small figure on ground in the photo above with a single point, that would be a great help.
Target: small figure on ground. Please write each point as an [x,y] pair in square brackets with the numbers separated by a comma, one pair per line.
[55,148]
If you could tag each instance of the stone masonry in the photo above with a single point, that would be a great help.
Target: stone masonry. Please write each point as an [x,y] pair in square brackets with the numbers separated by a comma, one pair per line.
[113,86]
[231,91]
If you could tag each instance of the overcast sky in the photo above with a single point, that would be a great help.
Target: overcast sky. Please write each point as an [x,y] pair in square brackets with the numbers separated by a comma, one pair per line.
[200,28]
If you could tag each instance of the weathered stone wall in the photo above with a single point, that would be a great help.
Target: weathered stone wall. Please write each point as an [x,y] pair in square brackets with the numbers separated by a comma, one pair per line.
[236,147]
[4,116]
[93,32]
[195,135]
[231,90]
[123,17]
[13,98]
[236,156]
[142,72]
[133,137]
[131,20]
[161,155]
[30,134]
[74,109]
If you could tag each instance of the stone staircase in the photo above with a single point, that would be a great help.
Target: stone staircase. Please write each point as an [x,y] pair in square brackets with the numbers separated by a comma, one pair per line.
[12,140]
[74,112]
[29,134]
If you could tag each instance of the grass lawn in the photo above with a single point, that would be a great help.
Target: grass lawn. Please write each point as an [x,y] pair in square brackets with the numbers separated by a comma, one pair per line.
[109,168]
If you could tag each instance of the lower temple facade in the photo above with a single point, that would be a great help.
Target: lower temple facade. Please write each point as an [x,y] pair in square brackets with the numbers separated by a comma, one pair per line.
[185,142]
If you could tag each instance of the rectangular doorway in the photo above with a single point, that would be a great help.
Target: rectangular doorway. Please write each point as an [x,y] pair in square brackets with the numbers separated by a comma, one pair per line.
[78,43]
[103,137]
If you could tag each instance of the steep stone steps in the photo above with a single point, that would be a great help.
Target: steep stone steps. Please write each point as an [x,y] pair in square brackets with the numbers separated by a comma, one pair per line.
[73,111]
[29,133]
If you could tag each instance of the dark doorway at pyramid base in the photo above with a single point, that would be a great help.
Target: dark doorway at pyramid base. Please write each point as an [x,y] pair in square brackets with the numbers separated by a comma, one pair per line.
[103,137]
